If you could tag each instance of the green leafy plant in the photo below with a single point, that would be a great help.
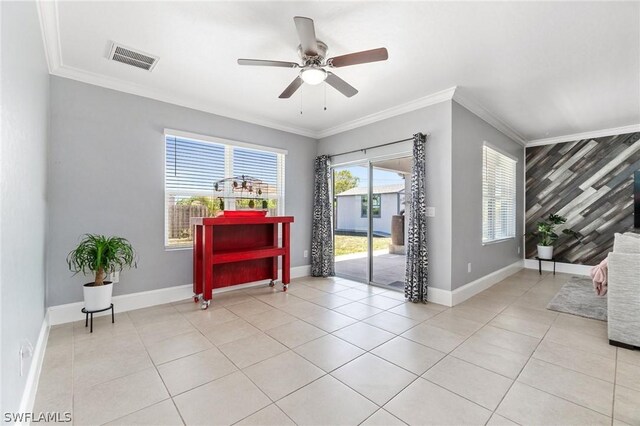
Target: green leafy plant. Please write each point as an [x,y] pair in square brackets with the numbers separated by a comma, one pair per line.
[344,180]
[100,255]
[546,234]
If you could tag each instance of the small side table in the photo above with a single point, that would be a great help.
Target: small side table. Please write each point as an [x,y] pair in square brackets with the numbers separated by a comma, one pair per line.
[87,313]
[553,259]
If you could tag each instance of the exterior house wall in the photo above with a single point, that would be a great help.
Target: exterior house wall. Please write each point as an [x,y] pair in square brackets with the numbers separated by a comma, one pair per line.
[348,213]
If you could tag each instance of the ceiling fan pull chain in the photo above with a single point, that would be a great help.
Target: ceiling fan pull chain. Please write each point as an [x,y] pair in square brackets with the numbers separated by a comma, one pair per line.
[325,95]
[301,101]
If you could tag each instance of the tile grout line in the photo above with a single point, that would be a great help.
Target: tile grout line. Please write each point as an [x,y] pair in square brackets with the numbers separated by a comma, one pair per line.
[615,382]
[363,320]
[518,376]
[203,384]
[241,370]
[159,375]
[549,393]
[329,373]
[417,376]
[386,411]
[450,354]
[147,406]
[573,370]
[420,376]
[155,366]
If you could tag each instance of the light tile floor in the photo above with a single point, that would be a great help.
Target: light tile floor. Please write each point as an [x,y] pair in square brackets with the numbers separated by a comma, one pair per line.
[333,351]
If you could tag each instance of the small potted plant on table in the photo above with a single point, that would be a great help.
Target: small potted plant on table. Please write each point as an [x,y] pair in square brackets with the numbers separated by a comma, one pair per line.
[99,255]
[547,236]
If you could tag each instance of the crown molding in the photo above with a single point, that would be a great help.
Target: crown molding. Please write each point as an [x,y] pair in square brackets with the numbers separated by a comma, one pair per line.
[585,135]
[425,101]
[49,24]
[487,116]
[50,29]
[146,92]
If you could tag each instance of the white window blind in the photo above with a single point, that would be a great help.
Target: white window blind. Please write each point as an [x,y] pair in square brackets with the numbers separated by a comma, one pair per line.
[191,168]
[498,196]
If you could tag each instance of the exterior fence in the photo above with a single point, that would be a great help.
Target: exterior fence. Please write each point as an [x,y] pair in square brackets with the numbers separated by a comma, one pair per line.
[179,216]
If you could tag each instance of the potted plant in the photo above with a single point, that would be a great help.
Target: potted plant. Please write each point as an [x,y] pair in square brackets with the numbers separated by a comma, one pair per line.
[99,255]
[547,236]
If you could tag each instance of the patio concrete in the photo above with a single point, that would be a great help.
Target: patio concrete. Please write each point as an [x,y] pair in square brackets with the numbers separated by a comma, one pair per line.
[388,268]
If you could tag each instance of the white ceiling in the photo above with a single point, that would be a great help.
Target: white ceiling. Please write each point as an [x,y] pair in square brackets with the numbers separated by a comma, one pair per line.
[543,69]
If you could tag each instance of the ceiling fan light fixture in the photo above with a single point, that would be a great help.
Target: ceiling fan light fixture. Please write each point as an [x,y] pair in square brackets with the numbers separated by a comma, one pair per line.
[313,75]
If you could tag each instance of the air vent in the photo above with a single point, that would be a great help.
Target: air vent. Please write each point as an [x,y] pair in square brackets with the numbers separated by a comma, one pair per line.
[135,58]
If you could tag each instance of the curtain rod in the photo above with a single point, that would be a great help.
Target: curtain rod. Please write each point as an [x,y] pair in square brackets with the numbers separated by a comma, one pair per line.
[364,150]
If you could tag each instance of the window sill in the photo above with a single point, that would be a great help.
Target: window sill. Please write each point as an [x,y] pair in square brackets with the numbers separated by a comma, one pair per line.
[502,240]
[168,248]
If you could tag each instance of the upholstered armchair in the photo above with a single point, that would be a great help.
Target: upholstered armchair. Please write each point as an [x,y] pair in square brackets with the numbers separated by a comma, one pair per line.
[623,295]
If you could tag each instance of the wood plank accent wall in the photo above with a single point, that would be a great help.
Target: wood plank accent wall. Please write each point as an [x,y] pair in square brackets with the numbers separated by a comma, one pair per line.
[590,182]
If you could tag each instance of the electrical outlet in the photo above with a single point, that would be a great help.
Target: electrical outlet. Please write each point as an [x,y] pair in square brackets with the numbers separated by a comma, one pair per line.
[114,277]
[306,253]
[468,267]
[518,249]
[26,351]
[431,211]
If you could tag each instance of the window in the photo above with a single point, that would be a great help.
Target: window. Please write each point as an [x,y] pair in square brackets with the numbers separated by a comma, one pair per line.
[498,196]
[375,207]
[193,165]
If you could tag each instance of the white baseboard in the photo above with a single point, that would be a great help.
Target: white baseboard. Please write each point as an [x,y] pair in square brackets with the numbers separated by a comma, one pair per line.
[71,312]
[459,295]
[566,268]
[439,296]
[31,387]
[469,290]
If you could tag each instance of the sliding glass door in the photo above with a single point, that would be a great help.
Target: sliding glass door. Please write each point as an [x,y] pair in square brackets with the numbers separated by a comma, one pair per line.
[369,226]
[351,221]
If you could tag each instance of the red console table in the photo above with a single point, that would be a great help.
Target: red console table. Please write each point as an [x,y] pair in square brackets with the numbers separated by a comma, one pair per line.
[235,250]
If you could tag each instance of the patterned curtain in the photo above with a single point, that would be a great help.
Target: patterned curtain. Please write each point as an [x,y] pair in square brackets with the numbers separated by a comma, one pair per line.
[322,235]
[415,287]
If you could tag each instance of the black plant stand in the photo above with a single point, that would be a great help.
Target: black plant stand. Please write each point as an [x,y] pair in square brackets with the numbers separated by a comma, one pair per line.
[87,313]
[553,259]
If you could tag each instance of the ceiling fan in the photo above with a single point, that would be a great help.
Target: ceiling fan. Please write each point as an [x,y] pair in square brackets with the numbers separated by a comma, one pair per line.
[312,52]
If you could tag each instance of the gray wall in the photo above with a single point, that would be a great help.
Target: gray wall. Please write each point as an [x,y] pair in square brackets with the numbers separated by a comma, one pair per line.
[436,120]
[469,132]
[23,208]
[106,175]
[454,179]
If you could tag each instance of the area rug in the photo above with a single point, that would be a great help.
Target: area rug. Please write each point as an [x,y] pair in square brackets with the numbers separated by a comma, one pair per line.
[577,297]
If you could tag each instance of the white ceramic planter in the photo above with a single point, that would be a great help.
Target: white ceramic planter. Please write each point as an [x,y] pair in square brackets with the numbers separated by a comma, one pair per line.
[545,252]
[97,297]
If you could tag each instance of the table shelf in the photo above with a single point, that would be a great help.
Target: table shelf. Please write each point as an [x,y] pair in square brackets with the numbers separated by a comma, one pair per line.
[228,256]
[235,250]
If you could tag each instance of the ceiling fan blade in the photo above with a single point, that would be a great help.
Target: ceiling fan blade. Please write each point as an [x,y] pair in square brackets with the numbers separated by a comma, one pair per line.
[340,85]
[307,34]
[366,56]
[291,89]
[266,63]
